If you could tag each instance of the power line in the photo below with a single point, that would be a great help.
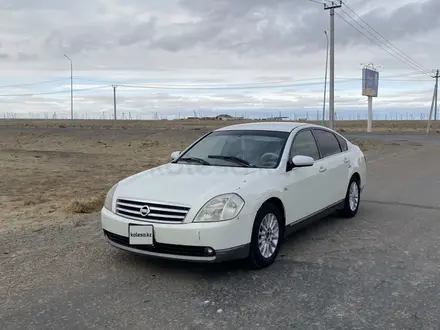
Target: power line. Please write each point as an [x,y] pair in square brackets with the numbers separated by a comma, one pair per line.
[392,52]
[34,83]
[402,75]
[416,73]
[403,58]
[316,1]
[387,41]
[55,92]
[226,88]
[409,79]
[339,80]
[211,86]
[293,83]
[320,2]
[380,46]
[233,88]
[284,83]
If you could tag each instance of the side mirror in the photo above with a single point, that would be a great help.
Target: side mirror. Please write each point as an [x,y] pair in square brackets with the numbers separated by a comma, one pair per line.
[300,161]
[175,155]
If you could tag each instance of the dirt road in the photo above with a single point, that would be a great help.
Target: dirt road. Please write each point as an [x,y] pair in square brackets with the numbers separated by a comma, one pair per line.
[379,270]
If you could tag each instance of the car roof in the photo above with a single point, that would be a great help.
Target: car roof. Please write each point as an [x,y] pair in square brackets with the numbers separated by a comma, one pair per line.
[264,126]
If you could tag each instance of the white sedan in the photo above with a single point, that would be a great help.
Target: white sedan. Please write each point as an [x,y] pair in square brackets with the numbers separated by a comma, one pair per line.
[235,193]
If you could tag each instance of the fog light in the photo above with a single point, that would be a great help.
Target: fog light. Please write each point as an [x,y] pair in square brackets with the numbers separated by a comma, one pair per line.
[209,251]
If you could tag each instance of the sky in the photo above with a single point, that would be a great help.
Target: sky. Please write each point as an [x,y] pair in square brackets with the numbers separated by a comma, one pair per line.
[172,58]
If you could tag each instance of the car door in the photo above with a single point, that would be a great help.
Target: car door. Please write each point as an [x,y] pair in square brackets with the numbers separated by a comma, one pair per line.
[333,166]
[303,184]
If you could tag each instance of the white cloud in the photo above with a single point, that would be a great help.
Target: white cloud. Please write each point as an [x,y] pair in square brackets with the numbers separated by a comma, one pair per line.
[204,42]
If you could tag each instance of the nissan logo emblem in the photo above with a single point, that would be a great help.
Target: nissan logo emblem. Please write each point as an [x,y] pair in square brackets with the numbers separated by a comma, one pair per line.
[145,210]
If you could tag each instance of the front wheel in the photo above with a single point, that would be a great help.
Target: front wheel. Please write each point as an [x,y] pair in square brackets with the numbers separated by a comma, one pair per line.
[352,199]
[267,236]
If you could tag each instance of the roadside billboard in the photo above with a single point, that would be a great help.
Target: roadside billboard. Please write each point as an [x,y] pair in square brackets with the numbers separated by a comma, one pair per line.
[370,82]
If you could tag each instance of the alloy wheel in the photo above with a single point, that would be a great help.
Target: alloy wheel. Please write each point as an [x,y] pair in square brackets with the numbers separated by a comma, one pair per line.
[353,196]
[268,235]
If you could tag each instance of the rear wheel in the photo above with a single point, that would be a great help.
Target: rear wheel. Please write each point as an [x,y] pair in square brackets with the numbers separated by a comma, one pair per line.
[267,236]
[352,199]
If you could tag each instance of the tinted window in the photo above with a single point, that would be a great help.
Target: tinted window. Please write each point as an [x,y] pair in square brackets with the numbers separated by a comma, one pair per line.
[327,142]
[342,143]
[304,144]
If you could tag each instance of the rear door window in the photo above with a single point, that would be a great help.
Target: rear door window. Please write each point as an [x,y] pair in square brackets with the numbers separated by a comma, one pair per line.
[328,143]
[342,143]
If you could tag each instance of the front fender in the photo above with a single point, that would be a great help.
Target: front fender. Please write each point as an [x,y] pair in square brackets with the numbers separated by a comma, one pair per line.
[257,199]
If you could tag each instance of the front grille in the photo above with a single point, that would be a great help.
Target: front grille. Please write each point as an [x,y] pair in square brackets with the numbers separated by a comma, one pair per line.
[183,250]
[157,212]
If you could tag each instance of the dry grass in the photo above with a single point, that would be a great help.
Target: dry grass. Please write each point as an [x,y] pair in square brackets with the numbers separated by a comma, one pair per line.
[367,145]
[85,205]
[195,125]
[34,200]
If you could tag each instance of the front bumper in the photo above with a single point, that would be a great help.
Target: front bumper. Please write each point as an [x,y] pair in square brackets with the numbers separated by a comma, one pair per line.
[199,242]
[179,252]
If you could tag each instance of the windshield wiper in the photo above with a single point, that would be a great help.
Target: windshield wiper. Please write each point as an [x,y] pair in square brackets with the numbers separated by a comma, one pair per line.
[233,159]
[195,159]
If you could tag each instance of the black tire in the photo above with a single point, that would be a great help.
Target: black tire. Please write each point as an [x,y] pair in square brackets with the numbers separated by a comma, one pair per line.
[348,211]
[255,259]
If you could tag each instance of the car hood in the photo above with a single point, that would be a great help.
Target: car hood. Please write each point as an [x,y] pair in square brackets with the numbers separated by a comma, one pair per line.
[183,184]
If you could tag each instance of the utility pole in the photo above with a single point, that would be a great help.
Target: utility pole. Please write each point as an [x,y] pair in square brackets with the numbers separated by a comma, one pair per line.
[434,96]
[325,82]
[437,75]
[332,8]
[114,102]
[71,89]
[434,102]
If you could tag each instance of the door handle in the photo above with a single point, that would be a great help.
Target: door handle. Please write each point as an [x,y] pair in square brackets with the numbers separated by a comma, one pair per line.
[322,169]
[347,161]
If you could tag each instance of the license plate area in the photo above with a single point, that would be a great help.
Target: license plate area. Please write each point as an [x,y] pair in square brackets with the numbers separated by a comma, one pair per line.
[140,234]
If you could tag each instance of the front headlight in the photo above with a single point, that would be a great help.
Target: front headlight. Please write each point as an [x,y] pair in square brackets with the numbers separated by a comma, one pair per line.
[109,198]
[220,208]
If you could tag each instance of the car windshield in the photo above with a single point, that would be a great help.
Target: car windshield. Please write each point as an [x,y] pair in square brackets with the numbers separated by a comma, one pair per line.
[244,148]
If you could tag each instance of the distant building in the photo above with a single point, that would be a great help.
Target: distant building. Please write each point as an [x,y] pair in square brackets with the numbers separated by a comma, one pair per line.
[224,117]
[219,117]
[279,118]
[228,117]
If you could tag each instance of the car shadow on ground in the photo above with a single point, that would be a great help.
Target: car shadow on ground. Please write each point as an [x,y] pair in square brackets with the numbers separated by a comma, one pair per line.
[218,270]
